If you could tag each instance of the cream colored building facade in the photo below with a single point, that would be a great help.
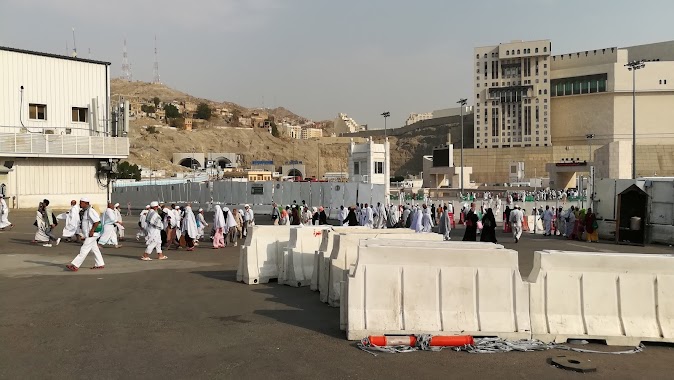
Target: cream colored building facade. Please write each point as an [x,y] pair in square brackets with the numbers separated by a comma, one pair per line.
[311,133]
[416,117]
[592,94]
[512,95]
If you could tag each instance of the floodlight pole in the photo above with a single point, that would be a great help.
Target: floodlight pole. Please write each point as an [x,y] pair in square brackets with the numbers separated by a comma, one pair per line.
[633,67]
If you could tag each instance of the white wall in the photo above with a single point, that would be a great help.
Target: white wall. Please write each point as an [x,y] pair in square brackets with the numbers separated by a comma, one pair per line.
[59,83]
[59,180]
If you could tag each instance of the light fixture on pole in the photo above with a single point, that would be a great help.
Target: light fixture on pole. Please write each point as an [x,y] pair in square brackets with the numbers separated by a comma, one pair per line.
[387,176]
[462,103]
[589,138]
[633,67]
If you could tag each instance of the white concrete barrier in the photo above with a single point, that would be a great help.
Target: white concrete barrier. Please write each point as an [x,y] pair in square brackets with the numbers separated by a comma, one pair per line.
[621,298]
[298,257]
[345,253]
[450,246]
[326,246]
[436,291]
[258,255]
[325,251]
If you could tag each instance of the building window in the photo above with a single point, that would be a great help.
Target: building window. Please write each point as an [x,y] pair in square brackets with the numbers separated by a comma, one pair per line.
[37,111]
[518,51]
[477,56]
[379,167]
[545,49]
[80,115]
[356,168]
[507,52]
[536,51]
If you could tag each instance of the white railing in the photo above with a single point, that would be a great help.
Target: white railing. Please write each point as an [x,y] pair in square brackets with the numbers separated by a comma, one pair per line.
[37,144]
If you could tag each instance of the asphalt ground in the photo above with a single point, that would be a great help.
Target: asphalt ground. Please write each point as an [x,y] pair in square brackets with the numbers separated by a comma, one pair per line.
[187,317]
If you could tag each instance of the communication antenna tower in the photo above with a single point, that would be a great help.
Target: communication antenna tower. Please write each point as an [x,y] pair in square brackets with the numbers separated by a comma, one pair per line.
[156,79]
[126,67]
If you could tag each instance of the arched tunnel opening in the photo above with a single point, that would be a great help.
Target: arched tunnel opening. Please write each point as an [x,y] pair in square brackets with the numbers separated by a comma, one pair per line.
[295,173]
[223,162]
[190,163]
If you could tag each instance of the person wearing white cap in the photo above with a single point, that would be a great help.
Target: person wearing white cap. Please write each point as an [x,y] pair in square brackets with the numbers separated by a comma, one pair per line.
[109,234]
[119,225]
[248,219]
[201,224]
[4,214]
[72,224]
[516,219]
[142,223]
[91,228]
[154,226]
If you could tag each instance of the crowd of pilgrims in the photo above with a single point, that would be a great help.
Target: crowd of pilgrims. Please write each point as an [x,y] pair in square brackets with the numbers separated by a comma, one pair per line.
[163,227]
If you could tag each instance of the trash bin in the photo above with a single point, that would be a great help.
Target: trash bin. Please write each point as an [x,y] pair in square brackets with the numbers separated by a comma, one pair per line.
[635,223]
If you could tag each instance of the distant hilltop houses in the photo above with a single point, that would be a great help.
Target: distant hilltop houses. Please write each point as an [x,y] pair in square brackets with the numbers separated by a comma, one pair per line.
[190,115]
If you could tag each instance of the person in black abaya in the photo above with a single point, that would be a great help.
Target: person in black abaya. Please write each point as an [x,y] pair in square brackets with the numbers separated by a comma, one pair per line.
[351,218]
[488,227]
[471,224]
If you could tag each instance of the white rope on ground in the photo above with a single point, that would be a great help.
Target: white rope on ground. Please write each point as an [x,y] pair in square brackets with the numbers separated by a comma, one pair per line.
[487,346]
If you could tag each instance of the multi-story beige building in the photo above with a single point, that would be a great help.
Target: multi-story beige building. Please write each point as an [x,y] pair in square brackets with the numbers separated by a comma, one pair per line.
[512,95]
[311,133]
[592,95]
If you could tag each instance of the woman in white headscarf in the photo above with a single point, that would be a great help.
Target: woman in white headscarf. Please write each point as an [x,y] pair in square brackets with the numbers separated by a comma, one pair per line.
[219,228]
[230,227]
[189,227]
[417,222]
[426,220]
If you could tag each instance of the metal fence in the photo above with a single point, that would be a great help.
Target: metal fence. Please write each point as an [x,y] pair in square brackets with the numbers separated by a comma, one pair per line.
[259,195]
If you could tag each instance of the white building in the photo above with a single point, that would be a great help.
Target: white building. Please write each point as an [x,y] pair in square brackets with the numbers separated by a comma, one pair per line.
[54,129]
[416,117]
[345,124]
[370,163]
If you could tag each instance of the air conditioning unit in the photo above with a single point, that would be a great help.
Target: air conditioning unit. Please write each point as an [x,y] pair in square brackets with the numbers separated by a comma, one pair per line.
[49,132]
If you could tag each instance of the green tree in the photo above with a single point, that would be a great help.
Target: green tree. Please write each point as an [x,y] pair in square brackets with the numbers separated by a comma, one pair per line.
[156,101]
[147,108]
[274,130]
[171,111]
[125,170]
[203,111]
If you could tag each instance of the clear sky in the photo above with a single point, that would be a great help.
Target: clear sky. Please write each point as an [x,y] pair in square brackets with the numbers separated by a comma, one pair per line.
[321,57]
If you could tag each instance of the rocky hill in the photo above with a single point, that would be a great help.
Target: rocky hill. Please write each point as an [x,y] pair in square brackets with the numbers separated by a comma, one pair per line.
[154,148]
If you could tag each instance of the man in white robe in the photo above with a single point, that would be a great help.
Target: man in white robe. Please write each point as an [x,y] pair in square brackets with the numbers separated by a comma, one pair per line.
[4,214]
[201,224]
[405,216]
[547,221]
[142,223]
[109,234]
[516,219]
[417,221]
[119,225]
[189,227]
[72,224]
[90,223]
[382,218]
[368,219]
[343,213]
[154,228]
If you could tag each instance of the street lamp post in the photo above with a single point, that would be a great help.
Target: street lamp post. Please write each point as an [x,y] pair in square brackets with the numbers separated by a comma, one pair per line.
[462,103]
[387,176]
[633,67]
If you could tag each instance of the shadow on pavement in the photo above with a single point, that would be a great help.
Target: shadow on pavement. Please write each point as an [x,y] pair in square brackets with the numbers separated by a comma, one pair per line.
[48,264]
[310,313]
[223,275]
